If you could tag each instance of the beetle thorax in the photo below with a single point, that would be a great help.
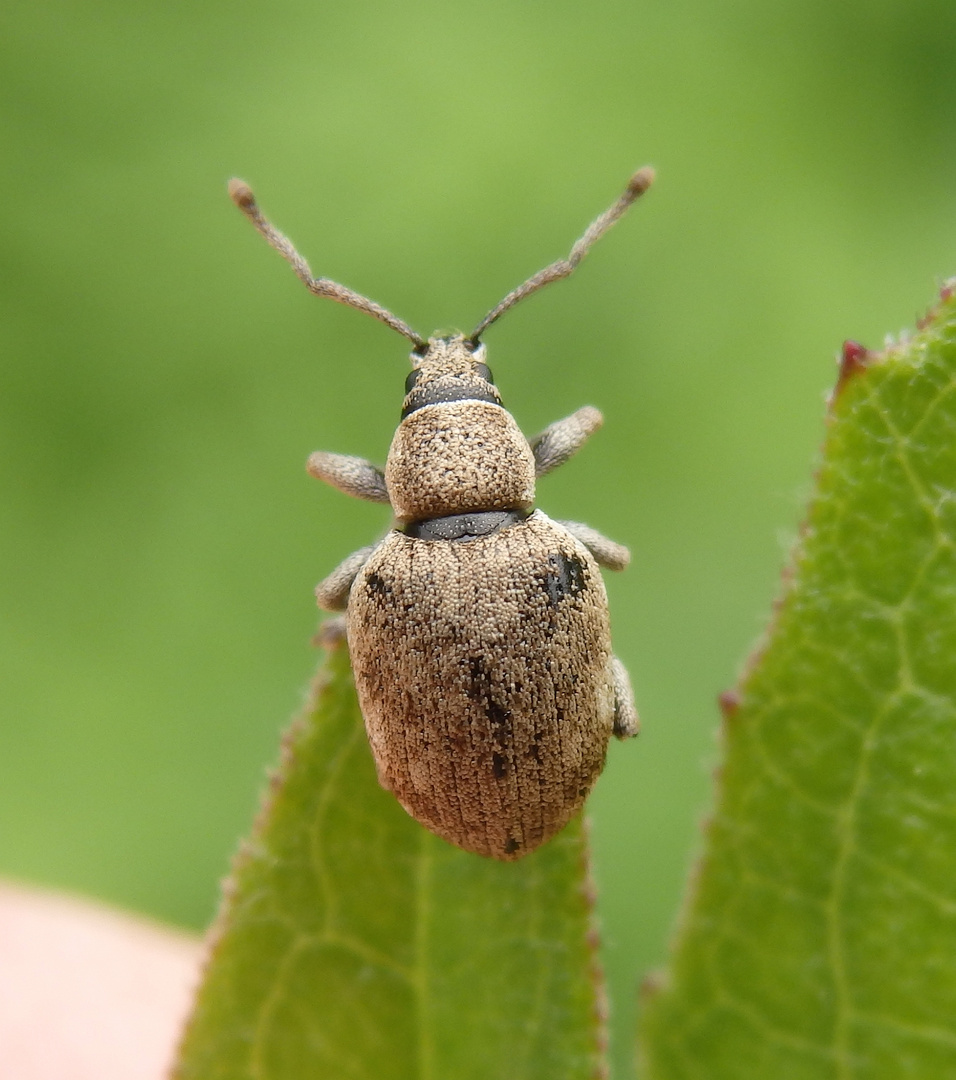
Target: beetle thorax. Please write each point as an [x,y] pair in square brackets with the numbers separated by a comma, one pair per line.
[457,450]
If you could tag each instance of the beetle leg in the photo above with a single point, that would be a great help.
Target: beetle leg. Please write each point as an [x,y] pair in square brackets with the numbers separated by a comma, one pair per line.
[606,552]
[331,633]
[564,438]
[353,475]
[332,594]
[626,722]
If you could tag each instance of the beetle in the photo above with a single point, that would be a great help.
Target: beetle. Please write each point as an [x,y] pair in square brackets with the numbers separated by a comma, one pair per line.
[478,628]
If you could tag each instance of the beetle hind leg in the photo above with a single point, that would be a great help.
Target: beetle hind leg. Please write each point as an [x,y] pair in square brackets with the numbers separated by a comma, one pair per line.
[626,721]
[331,633]
[332,594]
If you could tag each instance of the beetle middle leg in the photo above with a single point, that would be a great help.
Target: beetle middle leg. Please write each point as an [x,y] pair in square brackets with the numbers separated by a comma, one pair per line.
[606,552]
[564,438]
[332,594]
[353,475]
[626,721]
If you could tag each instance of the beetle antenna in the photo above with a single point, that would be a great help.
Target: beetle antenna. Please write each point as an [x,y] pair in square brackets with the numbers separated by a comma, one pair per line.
[241,195]
[637,185]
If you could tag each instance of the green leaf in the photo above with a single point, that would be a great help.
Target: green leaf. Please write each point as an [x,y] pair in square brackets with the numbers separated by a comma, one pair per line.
[355,944]
[820,939]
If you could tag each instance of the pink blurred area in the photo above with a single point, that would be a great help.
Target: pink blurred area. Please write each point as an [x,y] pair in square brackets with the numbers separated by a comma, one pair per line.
[88,993]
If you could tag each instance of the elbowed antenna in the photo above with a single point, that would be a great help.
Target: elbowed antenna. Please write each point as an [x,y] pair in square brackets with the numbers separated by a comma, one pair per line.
[241,195]
[637,185]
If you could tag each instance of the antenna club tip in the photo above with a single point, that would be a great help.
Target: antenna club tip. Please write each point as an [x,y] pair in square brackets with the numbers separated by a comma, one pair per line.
[641,181]
[241,194]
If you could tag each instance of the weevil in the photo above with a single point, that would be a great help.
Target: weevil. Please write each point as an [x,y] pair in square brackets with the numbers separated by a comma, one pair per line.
[478,628]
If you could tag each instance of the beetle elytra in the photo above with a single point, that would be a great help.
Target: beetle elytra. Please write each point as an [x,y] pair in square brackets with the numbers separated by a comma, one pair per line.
[478,628]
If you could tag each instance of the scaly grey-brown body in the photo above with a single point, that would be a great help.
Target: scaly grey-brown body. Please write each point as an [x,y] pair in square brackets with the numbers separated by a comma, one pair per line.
[484,674]
[478,628]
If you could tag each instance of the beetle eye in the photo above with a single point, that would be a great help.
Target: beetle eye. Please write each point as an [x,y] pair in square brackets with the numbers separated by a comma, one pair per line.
[411,380]
[484,372]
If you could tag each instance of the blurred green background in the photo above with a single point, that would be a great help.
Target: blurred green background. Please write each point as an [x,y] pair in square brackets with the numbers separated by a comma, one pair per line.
[165,376]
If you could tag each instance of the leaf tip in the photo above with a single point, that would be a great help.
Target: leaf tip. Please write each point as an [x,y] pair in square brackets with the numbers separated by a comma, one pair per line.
[946,293]
[729,704]
[854,358]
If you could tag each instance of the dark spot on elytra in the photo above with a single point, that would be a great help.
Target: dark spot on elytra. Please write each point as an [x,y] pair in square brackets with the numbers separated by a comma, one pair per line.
[535,750]
[498,716]
[566,577]
[511,845]
[499,765]
[479,690]
[479,683]
[377,586]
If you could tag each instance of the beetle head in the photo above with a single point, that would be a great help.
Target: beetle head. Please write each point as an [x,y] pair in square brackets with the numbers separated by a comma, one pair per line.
[448,369]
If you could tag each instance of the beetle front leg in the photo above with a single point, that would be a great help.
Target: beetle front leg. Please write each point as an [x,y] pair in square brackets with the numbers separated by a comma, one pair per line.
[564,438]
[626,721]
[353,475]
[607,553]
[332,594]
